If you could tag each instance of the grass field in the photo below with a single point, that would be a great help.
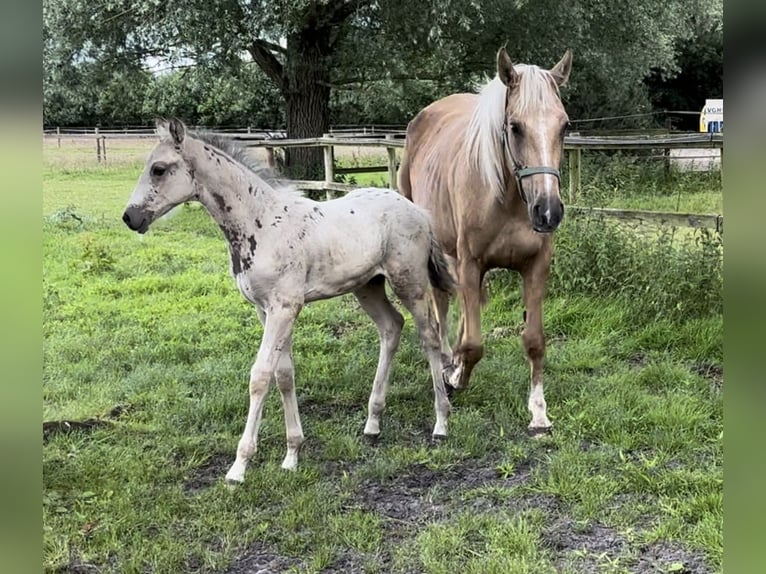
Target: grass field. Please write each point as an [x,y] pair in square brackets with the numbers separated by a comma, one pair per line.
[147,349]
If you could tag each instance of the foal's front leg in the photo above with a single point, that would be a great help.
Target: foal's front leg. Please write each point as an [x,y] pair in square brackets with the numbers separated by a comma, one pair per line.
[276,340]
[285,377]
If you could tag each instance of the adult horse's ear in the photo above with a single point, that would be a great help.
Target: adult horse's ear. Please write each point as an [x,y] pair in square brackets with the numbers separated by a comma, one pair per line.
[505,70]
[177,130]
[560,71]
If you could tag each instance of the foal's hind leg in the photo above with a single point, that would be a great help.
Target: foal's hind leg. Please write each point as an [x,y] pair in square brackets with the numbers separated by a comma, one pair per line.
[372,297]
[441,308]
[415,300]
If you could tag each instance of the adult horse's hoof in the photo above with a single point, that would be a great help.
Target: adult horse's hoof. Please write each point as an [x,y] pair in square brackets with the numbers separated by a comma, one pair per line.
[538,432]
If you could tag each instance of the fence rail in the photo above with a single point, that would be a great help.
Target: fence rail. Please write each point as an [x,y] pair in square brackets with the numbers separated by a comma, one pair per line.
[393,139]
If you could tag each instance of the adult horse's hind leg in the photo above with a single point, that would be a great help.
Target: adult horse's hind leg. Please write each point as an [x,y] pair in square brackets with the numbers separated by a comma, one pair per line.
[534,278]
[372,297]
[416,302]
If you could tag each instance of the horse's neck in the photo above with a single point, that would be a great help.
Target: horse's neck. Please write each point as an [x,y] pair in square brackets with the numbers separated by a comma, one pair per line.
[235,196]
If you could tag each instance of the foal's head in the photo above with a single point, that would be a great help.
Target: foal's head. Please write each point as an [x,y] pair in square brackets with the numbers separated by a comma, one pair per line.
[535,123]
[167,179]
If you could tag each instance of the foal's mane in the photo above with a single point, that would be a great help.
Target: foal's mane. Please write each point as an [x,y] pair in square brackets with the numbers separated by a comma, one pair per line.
[484,135]
[242,155]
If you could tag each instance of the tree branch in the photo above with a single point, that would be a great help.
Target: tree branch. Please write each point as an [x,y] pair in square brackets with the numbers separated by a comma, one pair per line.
[262,55]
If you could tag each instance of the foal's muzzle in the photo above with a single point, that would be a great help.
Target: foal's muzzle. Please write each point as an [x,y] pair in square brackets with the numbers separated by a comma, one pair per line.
[137,219]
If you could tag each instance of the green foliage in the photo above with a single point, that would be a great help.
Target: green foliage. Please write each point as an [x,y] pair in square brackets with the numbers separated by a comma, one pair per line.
[384,61]
[671,275]
[634,463]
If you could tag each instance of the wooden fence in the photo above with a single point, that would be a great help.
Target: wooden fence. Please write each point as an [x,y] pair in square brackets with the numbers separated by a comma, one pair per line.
[391,140]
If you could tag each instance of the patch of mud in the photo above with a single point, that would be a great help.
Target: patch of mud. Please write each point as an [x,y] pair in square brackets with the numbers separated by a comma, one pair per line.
[670,557]
[205,476]
[311,408]
[712,372]
[51,428]
[259,559]
[584,548]
[590,549]
[424,495]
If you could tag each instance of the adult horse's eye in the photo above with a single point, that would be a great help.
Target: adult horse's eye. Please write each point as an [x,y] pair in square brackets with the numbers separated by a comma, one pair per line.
[516,128]
[159,169]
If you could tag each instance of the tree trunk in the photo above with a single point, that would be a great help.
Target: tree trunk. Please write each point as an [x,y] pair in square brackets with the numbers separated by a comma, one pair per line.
[307,97]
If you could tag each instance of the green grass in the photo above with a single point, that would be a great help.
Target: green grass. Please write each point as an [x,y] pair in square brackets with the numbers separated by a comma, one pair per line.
[155,324]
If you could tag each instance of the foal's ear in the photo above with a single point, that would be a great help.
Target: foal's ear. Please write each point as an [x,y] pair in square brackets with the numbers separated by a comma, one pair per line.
[560,71]
[177,130]
[505,70]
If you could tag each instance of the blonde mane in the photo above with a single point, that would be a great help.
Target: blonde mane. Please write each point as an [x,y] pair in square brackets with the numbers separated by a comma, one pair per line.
[484,138]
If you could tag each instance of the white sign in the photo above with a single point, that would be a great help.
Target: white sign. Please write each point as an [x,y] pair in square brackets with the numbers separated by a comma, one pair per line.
[711,116]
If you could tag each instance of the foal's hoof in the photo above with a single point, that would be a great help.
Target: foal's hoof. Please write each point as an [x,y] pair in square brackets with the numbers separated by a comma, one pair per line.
[232,484]
[447,373]
[539,432]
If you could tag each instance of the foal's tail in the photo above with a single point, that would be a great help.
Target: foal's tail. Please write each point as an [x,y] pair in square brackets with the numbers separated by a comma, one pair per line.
[438,269]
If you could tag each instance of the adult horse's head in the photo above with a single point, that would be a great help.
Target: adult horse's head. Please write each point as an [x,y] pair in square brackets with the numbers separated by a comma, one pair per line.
[167,179]
[533,135]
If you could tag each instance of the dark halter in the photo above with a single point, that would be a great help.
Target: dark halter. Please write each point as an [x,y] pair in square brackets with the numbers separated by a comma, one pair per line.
[522,171]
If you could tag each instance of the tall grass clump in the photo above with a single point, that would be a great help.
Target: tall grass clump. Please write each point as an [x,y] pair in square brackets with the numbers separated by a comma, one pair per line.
[663,273]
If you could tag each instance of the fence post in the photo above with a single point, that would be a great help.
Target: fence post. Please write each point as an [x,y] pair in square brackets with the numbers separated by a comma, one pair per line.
[575,155]
[271,160]
[103,147]
[58,136]
[98,147]
[329,168]
[391,163]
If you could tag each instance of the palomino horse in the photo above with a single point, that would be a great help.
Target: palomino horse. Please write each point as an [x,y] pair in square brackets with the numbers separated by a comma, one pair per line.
[287,250]
[486,168]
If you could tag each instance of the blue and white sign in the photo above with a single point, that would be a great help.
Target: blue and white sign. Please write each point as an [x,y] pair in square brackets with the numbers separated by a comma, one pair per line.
[711,116]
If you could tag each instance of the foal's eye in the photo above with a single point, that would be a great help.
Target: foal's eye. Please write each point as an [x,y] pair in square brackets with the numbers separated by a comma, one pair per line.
[516,128]
[159,169]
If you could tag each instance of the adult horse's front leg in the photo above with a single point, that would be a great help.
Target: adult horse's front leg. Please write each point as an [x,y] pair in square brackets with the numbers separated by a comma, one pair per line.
[470,349]
[276,338]
[534,279]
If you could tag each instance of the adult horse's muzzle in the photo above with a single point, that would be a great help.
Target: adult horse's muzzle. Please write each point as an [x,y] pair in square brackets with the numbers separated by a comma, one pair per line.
[137,219]
[546,214]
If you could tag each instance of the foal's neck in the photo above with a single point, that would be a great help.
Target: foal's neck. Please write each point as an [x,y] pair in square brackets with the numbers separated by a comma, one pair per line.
[234,195]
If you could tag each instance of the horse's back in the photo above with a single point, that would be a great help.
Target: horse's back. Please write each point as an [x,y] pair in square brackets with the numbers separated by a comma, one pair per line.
[434,160]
